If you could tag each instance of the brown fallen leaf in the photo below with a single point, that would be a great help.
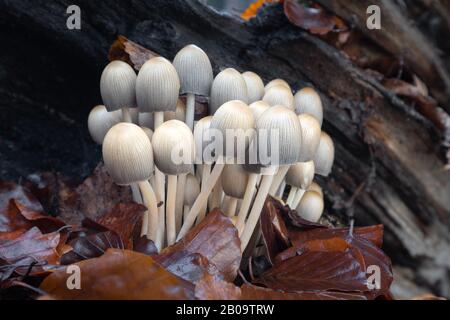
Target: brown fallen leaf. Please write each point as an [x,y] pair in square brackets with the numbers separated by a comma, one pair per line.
[96,196]
[120,275]
[216,239]
[130,52]
[31,247]
[314,19]
[214,288]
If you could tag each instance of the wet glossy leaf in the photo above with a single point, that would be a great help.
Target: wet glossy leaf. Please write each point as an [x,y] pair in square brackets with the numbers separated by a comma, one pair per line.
[145,246]
[216,239]
[117,275]
[31,247]
[213,288]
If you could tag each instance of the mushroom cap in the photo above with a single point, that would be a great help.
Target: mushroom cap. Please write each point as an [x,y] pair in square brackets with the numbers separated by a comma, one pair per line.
[234,120]
[310,137]
[300,175]
[192,190]
[173,147]
[276,82]
[100,121]
[234,180]
[314,186]
[202,140]
[311,206]
[282,124]
[157,86]
[255,86]
[178,114]
[128,154]
[324,158]
[258,108]
[145,119]
[194,69]
[308,101]
[228,85]
[118,86]
[279,95]
[148,132]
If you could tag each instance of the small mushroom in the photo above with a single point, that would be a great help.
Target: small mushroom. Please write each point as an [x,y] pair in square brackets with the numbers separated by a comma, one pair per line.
[283,153]
[233,117]
[173,147]
[118,87]
[258,108]
[314,186]
[276,82]
[311,132]
[299,177]
[228,85]
[255,86]
[196,76]
[279,95]
[179,114]
[308,101]
[324,158]
[100,121]
[234,182]
[128,157]
[311,206]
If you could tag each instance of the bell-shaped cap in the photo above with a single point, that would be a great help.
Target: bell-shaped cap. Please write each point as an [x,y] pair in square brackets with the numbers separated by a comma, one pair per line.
[235,122]
[300,175]
[255,86]
[234,180]
[324,158]
[194,69]
[279,136]
[258,108]
[314,186]
[311,206]
[128,154]
[157,86]
[100,121]
[279,95]
[228,85]
[308,101]
[276,82]
[118,86]
[311,133]
[173,148]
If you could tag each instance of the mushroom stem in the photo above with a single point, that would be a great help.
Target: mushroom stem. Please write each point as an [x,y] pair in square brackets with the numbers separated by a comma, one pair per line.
[280,192]
[291,196]
[136,193]
[278,179]
[206,171]
[201,199]
[160,181]
[247,200]
[253,217]
[126,115]
[150,202]
[170,209]
[190,110]
[229,206]
[179,201]
[298,197]
[186,211]
[216,196]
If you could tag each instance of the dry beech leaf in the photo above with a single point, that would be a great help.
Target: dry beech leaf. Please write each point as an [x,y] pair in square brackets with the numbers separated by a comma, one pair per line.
[120,275]
[214,288]
[339,268]
[250,292]
[216,239]
[96,196]
[132,53]
[314,19]
[29,248]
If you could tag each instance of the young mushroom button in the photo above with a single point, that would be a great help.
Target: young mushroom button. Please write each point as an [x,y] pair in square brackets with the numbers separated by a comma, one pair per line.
[308,101]
[279,95]
[255,86]
[324,158]
[100,121]
[228,85]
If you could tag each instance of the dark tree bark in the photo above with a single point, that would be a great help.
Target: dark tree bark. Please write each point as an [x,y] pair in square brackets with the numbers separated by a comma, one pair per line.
[389,159]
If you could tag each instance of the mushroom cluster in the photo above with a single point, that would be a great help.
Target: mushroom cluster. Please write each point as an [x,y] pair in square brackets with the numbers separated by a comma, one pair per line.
[258,140]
